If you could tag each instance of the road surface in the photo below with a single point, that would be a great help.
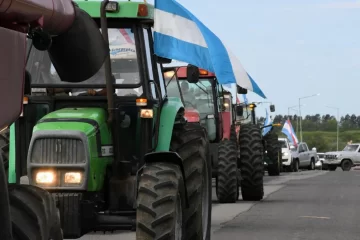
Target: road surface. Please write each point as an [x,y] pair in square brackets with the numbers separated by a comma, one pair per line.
[267,219]
[322,208]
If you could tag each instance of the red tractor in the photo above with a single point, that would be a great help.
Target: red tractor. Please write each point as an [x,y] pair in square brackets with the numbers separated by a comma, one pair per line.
[64,30]
[207,103]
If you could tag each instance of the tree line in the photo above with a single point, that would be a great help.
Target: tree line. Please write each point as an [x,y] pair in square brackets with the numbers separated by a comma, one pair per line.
[326,123]
[320,131]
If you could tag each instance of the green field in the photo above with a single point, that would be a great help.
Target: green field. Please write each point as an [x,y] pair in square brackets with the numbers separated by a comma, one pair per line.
[326,141]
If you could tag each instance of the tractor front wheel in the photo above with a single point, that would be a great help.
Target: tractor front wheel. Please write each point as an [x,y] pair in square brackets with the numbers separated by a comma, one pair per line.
[252,165]
[227,189]
[34,214]
[159,207]
[273,152]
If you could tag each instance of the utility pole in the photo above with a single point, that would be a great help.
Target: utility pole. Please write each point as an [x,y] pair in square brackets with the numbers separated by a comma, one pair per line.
[314,95]
[337,126]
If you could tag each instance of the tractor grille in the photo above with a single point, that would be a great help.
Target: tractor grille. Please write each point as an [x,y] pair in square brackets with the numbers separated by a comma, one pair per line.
[58,151]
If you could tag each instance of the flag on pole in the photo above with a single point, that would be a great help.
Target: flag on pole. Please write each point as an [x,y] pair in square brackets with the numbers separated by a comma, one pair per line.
[288,130]
[268,121]
[179,35]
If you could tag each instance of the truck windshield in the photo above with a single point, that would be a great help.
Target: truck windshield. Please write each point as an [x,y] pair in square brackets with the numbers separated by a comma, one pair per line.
[351,148]
[123,56]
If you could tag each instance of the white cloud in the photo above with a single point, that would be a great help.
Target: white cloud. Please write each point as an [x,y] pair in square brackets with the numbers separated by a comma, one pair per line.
[341,5]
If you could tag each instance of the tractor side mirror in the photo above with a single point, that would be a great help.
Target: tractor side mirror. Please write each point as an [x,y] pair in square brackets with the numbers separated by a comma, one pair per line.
[192,73]
[241,90]
[163,60]
[239,111]
[272,108]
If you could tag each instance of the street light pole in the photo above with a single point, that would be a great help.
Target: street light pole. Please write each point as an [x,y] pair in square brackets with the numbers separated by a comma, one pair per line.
[297,112]
[314,95]
[337,126]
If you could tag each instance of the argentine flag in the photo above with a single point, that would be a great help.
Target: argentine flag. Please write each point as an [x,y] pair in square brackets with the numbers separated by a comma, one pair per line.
[268,121]
[179,35]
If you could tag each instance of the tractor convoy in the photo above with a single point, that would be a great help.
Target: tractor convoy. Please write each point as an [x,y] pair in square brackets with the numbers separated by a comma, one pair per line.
[114,140]
[209,105]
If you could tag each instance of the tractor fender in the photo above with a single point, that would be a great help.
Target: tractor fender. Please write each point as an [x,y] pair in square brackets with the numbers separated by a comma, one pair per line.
[171,110]
[166,157]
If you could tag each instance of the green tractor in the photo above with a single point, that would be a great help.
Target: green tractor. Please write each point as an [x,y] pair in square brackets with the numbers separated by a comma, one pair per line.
[246,116]
[114,150]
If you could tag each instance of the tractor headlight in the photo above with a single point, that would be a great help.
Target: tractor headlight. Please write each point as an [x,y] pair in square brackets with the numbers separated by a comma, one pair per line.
[45,177]
[73,177]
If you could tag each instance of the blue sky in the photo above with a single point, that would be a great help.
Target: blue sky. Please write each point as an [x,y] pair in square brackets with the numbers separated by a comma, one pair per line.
[292,48]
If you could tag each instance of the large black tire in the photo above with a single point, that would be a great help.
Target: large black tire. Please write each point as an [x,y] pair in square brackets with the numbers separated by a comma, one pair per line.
[34,214]
[190,142]
[272,149]
[4,146]
[227,188]
[252,165]
[159,203]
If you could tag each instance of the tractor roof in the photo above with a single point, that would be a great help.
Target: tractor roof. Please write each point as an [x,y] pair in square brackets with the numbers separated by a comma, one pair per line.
[181,73]
[119,9]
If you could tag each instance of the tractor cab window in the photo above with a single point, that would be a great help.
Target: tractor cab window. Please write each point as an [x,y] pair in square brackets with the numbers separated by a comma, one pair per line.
[124,66]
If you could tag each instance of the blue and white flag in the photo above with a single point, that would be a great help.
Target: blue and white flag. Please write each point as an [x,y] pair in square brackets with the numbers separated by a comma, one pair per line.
[268,121]
[179,35]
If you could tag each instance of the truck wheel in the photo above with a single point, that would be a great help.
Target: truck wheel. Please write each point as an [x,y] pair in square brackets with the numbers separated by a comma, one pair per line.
[272,148]
[4,147]
[226,182]
[346,165]
[312,164]
[159,204]
[296,165]
[252,165]
[190,141]
[34,214]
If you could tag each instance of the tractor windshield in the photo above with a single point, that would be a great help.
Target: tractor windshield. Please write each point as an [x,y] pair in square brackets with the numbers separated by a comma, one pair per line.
[246,117]
[196,95]
[124,66]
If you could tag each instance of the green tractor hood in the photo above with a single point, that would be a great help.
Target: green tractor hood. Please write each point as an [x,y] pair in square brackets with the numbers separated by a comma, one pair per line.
[86,120]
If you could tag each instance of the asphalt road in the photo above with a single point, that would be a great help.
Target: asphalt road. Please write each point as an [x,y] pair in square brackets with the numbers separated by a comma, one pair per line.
[322,207]
[274,217]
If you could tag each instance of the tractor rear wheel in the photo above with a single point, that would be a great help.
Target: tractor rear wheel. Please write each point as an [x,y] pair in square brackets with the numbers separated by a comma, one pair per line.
[273,150]
[227,188]
[4,146]
[34,214]
[252,165]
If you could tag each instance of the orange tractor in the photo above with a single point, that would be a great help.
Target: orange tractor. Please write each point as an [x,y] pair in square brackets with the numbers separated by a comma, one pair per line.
[235,162]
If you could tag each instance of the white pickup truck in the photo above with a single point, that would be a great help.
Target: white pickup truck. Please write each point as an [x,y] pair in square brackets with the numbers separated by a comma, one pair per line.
[345,159]
[303,157]
[286,158]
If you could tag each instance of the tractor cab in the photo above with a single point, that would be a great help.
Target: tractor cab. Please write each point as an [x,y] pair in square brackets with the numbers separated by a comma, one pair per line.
[203,97]
[96,145]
